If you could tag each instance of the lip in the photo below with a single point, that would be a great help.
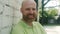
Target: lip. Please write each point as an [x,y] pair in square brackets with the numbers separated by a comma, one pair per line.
[31,16]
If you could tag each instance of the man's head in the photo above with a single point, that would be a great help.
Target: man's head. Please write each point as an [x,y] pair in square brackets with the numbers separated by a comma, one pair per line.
[29,10]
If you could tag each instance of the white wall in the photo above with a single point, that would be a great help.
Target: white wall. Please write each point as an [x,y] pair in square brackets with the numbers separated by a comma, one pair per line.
[9,14]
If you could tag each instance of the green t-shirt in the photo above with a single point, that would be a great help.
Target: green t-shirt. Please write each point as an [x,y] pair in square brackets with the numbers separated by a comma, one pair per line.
[23,28]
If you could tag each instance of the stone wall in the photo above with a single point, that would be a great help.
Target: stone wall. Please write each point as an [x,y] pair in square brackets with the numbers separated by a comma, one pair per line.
[9,14]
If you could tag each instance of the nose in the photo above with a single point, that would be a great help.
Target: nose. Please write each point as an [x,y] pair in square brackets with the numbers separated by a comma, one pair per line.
[31,11]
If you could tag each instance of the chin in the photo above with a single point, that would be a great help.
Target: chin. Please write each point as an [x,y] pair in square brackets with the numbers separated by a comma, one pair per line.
[32,19]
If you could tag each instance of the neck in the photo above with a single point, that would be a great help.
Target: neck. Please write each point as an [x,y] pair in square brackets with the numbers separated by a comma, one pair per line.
[28,22]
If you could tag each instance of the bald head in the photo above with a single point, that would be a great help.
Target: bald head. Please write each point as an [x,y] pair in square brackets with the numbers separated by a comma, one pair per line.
[28,2]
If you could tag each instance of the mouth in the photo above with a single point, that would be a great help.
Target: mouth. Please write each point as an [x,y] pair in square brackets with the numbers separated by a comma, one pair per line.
[31,16]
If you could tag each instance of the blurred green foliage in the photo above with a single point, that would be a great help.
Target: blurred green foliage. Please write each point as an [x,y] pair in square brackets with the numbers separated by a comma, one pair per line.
[49,13]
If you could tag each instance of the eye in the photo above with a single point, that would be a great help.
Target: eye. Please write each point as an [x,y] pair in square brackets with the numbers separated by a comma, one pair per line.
[27,9]
[33,9]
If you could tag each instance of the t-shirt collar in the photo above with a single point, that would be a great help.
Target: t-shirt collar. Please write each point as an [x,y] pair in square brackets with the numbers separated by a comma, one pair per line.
[25,25]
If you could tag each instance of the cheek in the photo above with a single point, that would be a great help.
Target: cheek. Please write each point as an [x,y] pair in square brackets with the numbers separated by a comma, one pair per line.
[35,13]
[25,13]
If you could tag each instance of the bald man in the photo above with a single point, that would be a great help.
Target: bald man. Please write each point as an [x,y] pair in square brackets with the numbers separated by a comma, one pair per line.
[27,25]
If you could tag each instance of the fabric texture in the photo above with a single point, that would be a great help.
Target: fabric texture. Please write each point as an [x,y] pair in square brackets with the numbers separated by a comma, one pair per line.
[23,28]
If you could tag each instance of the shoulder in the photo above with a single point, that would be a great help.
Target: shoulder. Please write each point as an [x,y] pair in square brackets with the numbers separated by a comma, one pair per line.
[40,27]
[17,29]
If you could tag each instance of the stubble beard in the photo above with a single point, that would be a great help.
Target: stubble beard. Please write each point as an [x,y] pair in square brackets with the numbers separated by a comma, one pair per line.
[26,18]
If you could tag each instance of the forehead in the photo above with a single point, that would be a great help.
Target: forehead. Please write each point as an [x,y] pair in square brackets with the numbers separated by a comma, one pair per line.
[29,6]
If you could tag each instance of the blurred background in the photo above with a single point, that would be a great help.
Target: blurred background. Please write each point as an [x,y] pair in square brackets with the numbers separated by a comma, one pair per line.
[48,15]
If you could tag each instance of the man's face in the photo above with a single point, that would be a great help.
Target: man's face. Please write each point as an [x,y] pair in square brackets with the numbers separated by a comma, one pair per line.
[29,11]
